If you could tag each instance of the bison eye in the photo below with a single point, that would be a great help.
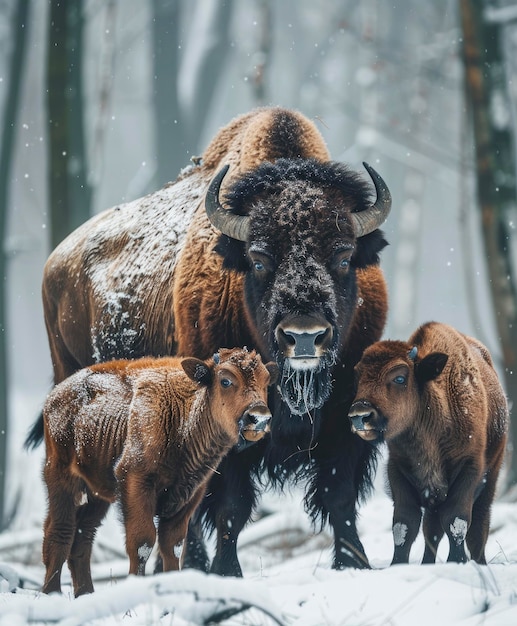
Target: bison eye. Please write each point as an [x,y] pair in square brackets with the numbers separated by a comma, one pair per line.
[226,382]
[341,260]
[258,266]
[399,380]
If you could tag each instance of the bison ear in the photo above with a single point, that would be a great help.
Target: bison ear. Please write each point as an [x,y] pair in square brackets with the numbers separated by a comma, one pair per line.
[368,248]
[233,253]
[197,370]
[430,367]
[272,368]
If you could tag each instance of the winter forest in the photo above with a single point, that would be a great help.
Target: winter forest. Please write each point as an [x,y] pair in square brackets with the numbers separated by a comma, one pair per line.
[105,101]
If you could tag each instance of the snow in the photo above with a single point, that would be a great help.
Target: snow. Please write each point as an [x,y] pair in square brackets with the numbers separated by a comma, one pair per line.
[287,579]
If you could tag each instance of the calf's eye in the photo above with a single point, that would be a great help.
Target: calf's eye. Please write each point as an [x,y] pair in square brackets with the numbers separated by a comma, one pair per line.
[399,380]
[226,382]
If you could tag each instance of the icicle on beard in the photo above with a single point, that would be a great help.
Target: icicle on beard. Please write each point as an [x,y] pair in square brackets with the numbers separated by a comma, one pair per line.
[305,390]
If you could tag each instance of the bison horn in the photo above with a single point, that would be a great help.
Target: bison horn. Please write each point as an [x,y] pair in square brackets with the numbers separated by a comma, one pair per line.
[368,220]
[235,226]
[412,353]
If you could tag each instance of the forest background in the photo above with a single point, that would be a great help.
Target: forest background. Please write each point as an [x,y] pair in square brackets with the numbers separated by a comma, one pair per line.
[103,101]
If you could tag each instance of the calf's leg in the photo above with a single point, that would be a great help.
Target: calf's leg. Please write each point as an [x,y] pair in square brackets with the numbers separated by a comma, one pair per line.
[88,519]
[456,512]
[59,526]
[407,514]
[477,534]
[172,532]
[138,501]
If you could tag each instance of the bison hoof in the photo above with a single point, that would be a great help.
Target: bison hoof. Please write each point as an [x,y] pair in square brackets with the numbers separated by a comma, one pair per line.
[196,558]
[225,568]
[349,558]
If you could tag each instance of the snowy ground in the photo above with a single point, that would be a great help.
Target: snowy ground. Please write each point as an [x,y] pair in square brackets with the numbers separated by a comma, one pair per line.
[287,579]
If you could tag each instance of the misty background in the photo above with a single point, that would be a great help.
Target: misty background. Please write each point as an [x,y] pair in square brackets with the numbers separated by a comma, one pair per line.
[144,86]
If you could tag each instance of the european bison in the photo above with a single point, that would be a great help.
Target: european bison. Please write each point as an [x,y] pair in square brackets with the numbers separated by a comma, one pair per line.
[437,402]
[291,268]
[149,432]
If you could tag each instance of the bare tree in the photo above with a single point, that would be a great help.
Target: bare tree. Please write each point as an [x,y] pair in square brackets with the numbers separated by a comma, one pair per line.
[169,136]
[202,64]
[495,176]
[19,30]
[69,189]
[185,77]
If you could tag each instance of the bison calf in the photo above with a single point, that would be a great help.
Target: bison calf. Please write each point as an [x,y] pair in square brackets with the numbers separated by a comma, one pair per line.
[438,403]
[148,432]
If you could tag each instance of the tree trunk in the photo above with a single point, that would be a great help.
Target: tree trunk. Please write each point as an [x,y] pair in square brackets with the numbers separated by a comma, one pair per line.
[496,190]
[203,64]
[19,29]
[171,148]
[69,190]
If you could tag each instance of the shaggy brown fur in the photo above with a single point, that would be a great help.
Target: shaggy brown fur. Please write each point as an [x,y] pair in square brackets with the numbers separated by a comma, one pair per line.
[149,432]
[437,401]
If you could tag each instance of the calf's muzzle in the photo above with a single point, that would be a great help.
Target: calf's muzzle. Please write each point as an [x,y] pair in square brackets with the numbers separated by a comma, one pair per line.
[365,420]
[255,423]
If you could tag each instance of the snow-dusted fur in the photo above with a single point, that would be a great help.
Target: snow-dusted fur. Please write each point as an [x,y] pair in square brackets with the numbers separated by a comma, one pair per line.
[437,402]
[149,432]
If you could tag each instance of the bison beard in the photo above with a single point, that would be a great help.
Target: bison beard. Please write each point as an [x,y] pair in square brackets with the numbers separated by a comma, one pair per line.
[307,389]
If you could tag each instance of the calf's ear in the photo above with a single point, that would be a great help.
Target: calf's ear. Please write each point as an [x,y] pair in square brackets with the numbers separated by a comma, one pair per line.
[272,368]
[197,370]
[430,367]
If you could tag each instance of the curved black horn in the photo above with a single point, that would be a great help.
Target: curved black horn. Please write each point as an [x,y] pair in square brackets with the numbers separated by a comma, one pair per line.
[235,226]
[367,221]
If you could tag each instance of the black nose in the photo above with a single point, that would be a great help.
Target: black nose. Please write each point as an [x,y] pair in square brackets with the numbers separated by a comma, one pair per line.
[361,414]
[259,416]
[297,343]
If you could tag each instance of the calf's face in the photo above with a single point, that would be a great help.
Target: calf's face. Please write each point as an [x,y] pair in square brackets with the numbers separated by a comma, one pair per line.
[389,384]
[237,383]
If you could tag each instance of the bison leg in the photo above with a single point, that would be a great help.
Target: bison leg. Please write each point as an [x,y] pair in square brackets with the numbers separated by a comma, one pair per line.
[433,533]
[340,505]
[172,532]
[456,524]
[195,555]
[138,509]
[59,527]
[333,494]
[456,512]
[89,516]
[407,514]
[477,534]
[228,504]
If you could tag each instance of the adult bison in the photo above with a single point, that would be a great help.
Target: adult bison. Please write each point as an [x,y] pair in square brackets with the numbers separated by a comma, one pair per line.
[283,258]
